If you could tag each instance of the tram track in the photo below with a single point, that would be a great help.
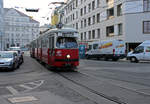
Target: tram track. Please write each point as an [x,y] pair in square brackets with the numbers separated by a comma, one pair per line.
[113,99]
[123,80]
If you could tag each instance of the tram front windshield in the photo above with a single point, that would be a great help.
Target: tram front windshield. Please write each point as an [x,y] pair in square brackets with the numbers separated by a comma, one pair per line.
[66,42]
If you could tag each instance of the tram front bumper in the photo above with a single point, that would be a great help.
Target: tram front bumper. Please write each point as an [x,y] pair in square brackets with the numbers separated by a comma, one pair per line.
[66,62]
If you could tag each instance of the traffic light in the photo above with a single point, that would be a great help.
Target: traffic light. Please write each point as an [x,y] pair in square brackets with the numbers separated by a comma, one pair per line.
[32,10]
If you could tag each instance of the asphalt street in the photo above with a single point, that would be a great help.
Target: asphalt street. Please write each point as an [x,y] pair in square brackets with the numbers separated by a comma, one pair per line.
[96,82]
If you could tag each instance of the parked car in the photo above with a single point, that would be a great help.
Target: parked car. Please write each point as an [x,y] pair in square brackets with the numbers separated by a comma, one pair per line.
[140,53]
[20,53]
[110,49]
[8,60]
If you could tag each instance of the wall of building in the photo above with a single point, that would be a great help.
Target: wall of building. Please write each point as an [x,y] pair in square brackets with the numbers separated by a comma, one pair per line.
[20,29]
[134,27]
[131,18]
[1,25]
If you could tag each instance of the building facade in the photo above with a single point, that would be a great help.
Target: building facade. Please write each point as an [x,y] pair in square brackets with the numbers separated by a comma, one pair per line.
[20,29]
[97,20]
[1,25]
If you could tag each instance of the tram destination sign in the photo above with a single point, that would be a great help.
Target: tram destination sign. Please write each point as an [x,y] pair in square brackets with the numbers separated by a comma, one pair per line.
[68,34]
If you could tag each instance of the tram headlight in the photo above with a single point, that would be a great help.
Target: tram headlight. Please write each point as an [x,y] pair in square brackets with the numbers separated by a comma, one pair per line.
[68,56]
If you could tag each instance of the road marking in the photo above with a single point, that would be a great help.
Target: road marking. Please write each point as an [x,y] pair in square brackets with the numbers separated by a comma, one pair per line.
[35,85]
[22,99]
[26,87]
[12,90]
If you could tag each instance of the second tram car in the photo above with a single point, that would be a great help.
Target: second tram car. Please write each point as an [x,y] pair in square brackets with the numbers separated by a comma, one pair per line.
[57,48]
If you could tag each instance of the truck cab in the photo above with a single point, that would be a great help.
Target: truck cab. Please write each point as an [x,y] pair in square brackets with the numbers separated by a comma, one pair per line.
[140,53]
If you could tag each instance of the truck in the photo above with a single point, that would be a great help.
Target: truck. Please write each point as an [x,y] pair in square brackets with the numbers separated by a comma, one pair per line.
[109,49]
[140,53]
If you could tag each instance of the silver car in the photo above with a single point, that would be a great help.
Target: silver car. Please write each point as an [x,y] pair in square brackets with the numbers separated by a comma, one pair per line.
[8,60]
[20,53]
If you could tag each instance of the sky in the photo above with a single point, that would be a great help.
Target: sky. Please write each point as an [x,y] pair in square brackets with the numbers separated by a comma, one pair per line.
[45,9]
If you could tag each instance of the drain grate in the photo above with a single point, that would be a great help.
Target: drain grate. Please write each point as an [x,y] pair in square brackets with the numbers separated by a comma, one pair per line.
[22,99]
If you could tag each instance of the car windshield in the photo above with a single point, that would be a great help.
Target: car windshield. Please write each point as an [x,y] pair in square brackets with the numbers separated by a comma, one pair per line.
[66,42]
[14,48]
[6,55]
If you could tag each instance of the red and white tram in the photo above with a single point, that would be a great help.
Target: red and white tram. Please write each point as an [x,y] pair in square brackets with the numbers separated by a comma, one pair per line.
[57,48]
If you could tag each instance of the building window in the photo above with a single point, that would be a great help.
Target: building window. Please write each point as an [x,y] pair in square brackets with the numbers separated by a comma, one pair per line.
[81,24]
[81,11]
[110,31]
[94,19]
[146,5]
[81,36]
[98,3]
[7,45]
[84,22]
[98,33]
[93,5]
[119,10]
[120,32]
[89,34]
[93,34]
[76,14]
[89,21]
[98,17]
[76,3]
[76,25]
[84,35]
[73,16]
[146,27]
[89,7]
[110,13]
[18,44]
[85,10]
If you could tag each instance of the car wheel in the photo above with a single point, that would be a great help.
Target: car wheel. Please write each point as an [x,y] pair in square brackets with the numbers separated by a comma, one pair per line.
[22,61]
[133,59]
[87,56]
[18,65]
[105,58]
[13,67]
[115,59]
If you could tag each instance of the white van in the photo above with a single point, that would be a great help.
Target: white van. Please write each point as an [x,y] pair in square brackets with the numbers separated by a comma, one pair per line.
[110,49]
[142,52]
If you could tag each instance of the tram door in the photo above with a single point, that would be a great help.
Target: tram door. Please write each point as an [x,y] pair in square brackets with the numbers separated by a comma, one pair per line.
[51,51]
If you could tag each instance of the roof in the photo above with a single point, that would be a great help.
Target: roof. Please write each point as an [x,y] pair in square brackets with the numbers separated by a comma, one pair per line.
[21,14]
[63,30]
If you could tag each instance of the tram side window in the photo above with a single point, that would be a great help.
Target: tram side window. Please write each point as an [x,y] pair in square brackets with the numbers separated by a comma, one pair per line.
[38,43]
[52,42]
[50,45]
[44,42]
